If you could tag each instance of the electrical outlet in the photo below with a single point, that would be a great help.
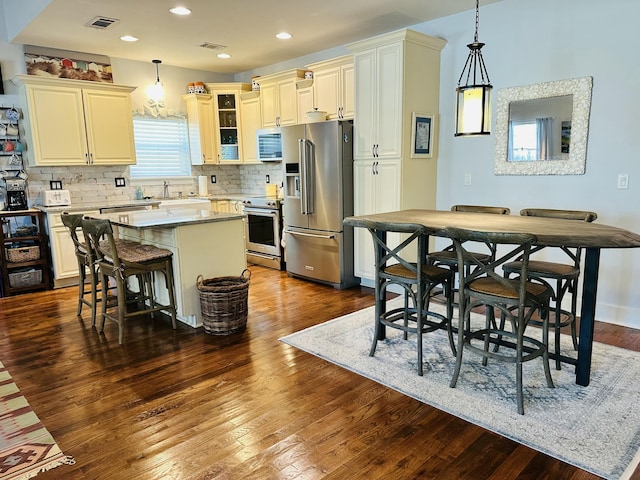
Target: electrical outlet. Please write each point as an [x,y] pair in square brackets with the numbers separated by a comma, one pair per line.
[268,178]
[120,182]
[467,179]
[55,185]
[213,179]
[623,181]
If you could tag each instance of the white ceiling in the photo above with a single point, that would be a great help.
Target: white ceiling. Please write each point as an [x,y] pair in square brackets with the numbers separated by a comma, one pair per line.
[246,27]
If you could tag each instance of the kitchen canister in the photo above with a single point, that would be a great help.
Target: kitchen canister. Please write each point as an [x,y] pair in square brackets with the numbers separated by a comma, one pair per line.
[255,86]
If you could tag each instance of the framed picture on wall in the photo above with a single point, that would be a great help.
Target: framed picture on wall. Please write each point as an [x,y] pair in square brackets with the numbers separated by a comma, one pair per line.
[422,126]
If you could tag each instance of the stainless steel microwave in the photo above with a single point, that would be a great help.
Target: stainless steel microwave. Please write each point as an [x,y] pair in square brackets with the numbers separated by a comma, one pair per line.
[269,145]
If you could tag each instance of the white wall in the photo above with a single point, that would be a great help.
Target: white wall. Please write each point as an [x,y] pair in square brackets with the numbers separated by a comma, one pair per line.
[530,42]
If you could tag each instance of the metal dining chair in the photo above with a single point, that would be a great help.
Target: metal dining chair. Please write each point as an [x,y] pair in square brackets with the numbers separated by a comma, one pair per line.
[416,279]
[563,276]
[517,300]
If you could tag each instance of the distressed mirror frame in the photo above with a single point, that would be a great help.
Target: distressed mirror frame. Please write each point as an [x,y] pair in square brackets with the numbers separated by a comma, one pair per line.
[580,88]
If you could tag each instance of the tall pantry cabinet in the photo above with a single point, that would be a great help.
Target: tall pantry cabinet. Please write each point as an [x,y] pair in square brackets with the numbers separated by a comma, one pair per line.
[396,75]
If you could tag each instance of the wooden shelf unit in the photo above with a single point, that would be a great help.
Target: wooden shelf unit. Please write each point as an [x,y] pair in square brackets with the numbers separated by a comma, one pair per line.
[22,276]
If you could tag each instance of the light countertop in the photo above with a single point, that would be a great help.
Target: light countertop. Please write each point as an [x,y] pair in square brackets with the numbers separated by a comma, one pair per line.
[96,206]
[167,217]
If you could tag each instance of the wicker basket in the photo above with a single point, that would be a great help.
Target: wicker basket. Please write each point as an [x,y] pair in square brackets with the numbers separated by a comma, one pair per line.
[23,254]
[224,305]
[25,279]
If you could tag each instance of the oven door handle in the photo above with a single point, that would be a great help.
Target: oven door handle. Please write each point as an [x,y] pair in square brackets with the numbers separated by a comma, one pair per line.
[263,212]
[325,237]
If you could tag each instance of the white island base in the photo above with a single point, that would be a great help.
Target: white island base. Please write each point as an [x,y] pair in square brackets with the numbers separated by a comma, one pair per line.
[211,249]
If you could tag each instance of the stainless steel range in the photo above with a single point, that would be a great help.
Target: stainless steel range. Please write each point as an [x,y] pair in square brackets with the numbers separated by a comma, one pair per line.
[264,231]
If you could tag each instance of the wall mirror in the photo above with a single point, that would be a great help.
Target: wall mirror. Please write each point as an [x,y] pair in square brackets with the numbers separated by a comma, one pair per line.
[542,129]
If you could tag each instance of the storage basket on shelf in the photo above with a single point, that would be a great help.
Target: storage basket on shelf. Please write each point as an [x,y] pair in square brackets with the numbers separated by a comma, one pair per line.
[224,303]
[23,254]
[27,278]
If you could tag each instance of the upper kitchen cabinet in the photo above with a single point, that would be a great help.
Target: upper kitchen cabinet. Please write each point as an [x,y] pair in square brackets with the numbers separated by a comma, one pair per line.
[305,101]
[251,122]
[201,126]
[333,87]
[228,120]
[395,74]
[278,98]
[74,122]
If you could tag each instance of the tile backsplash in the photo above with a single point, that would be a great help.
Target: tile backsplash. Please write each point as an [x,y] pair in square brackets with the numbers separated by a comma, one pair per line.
[97,184]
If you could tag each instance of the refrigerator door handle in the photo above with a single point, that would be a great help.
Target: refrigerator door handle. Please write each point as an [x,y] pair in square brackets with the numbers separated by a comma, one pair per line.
[325,237]
[302,160]
[307,173]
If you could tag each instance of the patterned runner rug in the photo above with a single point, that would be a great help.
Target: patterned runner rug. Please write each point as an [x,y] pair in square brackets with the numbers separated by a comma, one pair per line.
[26,447]
[596,428]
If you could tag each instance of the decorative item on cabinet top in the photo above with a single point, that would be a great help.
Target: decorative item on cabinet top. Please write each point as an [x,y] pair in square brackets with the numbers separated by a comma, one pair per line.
[196,87]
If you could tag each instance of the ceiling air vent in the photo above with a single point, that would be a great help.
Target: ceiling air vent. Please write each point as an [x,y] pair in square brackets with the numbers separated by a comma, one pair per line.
[101,22]
[212,46]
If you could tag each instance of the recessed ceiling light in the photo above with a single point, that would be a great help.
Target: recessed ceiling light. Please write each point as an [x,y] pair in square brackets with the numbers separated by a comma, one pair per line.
[129,38]
[283,36]
[180,11]
[223,55]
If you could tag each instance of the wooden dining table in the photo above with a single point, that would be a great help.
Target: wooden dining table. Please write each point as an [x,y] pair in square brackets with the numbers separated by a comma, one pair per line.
[550,232]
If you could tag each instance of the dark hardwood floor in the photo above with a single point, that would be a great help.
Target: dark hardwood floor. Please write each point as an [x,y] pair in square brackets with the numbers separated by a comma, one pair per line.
[187,405]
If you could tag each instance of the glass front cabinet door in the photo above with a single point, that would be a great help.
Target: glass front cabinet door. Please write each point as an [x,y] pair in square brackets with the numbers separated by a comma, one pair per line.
[227,116]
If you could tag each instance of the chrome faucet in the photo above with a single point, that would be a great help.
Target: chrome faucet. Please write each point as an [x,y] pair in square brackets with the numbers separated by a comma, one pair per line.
[165,190]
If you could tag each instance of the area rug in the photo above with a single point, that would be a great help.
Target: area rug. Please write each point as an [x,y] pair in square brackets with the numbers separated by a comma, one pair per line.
[26,447]
[595,428]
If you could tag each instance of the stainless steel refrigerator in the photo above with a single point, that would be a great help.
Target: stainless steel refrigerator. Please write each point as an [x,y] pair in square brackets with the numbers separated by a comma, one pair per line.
[318,164]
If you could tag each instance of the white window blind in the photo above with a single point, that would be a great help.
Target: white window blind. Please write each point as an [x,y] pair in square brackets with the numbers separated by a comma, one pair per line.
[162,148]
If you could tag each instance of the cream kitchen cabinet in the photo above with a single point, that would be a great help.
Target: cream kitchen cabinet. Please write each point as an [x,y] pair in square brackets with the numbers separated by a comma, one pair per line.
[278,98]
[333,87]
[201,125]
[305,101]
[63,257]
[376,189]
[228,120]
[220,206]
[396,74]
[97,120]
[251,122]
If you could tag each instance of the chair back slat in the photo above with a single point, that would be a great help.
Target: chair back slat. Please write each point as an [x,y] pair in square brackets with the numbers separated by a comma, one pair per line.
[582,215]
[481,209]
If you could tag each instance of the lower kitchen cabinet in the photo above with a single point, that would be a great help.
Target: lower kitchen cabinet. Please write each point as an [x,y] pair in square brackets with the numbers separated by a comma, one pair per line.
[376,190]
[24,254]
[63,257]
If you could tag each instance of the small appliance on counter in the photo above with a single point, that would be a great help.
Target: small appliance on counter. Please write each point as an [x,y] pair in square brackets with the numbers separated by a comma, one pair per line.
[54,198]
[15,194]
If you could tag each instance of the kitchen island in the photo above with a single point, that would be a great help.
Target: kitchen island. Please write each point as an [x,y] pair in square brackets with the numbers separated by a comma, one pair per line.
[203,242]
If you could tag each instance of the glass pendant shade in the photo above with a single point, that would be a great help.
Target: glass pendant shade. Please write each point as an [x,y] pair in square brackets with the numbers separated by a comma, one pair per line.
[155,92]
[473,110]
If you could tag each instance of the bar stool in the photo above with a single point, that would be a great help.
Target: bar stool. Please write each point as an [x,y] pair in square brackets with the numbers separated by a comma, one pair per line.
[74,223]
[564,275]
[124,260]
[516,300]
[416,279]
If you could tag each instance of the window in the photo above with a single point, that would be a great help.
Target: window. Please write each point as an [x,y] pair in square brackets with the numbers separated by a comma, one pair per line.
[524,142]
[162,148]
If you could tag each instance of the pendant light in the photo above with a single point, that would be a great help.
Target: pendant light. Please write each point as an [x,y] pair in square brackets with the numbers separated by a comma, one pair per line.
[155,92]
[473,106]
